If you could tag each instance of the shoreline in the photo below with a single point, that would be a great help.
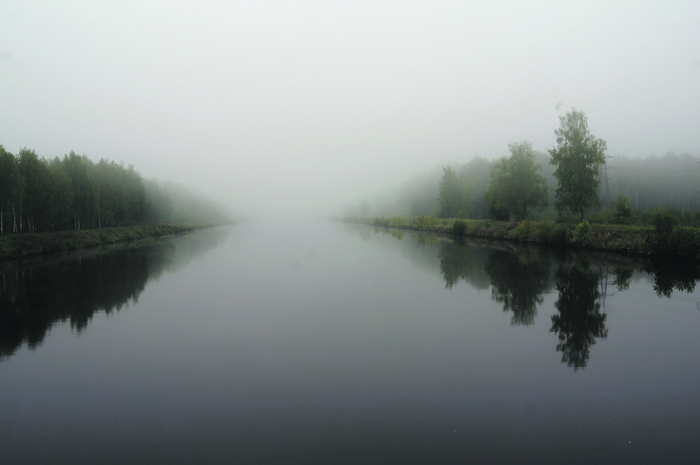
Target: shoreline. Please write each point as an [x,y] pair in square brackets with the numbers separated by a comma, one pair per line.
[26,245]
[641,240]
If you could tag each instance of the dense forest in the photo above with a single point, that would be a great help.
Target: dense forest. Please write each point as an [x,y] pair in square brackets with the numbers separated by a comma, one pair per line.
[542,186]
[73,192]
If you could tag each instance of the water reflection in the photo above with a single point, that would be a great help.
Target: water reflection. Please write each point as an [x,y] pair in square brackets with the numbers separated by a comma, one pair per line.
[519,282]
[579,321]
[463,262]
[622,277]
[521,276]
[36,295]
[677,275]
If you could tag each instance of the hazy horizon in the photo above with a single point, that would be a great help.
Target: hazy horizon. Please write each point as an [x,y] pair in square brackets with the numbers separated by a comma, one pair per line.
[308,106]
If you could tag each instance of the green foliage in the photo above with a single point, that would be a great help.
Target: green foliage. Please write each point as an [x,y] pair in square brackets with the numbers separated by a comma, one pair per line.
[516,184]
[524,230]
[582,232]
[459,228]
[578,157]
[497,198]
[9,185]
[39,195]
[425,221]
[159,204]
[684,242]
[26,245]
[669,239]
[664,224]
[623,212]
[395,222]
[554,233]
[377,221]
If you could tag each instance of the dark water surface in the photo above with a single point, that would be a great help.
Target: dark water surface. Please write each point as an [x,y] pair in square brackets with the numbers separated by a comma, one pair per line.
[328,343]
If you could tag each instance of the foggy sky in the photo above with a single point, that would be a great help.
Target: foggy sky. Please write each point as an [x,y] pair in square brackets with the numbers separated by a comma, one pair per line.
[309,105]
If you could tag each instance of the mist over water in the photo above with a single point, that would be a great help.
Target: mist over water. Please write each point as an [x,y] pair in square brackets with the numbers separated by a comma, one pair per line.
[287,339]
[324,342]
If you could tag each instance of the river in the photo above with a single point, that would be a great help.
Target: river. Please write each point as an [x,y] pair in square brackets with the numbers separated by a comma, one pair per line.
[332,343]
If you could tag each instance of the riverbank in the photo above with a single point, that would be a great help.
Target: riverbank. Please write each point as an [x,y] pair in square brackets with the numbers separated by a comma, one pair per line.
[14,246]
[628,239]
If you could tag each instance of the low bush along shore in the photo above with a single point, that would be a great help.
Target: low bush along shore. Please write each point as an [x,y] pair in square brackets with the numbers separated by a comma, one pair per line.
[659,239]
[27,245]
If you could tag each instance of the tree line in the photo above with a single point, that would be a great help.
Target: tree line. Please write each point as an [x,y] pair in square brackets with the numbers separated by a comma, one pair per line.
[518,185]
[73,192]
[572,179]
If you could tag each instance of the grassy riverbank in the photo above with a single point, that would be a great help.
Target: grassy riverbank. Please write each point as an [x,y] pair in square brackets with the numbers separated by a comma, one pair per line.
[635,239]
[28,245]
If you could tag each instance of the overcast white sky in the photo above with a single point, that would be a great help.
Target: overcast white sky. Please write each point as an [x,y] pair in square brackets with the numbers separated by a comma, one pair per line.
[304,104]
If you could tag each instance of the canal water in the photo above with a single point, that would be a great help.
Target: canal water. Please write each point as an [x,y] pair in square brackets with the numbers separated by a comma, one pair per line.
[335,343]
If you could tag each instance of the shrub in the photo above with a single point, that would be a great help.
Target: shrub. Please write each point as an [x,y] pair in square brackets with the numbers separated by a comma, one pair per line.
[664,224]
[395,221]
[459,228]
[426,221]
[682,242]
[581,232]
[380,222]
[524,230]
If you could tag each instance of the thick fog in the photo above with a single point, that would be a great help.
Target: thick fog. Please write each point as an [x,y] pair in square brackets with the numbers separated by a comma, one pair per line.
[305,106]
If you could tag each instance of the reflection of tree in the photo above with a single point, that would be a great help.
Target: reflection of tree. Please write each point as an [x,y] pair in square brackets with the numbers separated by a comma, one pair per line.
[427,239]
[622,278]
[461,261]
[579,321]
[34,298]
[396,233]
[679,275]
[518,284]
